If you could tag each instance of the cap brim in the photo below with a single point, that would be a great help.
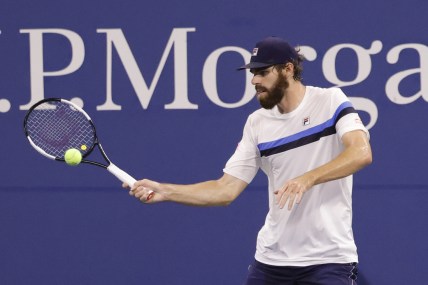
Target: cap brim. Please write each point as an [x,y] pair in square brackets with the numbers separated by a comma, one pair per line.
[254,65]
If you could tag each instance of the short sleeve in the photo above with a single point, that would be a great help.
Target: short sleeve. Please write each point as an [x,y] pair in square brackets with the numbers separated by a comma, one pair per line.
[245,162]
[350,121]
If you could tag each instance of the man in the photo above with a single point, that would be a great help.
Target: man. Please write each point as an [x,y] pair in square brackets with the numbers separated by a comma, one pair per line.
[308,141]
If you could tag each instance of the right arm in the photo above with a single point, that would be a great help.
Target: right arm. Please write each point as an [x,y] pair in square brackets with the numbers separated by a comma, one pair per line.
[220,192]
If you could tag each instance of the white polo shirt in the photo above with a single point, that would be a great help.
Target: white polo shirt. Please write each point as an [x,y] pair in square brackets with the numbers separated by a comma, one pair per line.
[284,146]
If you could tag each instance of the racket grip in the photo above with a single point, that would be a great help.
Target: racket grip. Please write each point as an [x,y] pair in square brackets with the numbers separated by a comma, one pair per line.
[121,175]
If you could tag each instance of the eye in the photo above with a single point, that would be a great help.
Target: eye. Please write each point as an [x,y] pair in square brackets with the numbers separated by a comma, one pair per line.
[261,73]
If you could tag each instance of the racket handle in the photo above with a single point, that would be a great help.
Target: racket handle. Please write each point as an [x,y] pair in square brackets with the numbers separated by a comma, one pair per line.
[121,175]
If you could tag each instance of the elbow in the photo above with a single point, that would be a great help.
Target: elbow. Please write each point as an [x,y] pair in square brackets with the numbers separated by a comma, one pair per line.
[228,190]
[227,200]
[225,203]
[366,157]
[369,160]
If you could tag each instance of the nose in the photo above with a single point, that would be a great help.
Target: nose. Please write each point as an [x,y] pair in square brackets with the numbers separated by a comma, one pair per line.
[255,80]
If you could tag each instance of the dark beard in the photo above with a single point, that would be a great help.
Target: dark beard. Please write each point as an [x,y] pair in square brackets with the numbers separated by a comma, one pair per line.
[275,95]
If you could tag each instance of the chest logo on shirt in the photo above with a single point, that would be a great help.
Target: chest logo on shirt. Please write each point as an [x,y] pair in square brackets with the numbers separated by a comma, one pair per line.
[307,121]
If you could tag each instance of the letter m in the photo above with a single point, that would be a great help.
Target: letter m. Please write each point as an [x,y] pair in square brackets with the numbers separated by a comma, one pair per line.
[178,39]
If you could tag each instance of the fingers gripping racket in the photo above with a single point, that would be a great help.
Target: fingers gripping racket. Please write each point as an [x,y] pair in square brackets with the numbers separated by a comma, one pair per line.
[54,125]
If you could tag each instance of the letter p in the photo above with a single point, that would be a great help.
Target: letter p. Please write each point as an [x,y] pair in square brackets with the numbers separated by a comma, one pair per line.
[37,71]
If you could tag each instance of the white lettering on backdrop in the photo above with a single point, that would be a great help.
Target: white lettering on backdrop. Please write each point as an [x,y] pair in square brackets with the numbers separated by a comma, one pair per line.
[116,41]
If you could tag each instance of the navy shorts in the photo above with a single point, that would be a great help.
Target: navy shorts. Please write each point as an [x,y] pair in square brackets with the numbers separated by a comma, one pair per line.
[322,274]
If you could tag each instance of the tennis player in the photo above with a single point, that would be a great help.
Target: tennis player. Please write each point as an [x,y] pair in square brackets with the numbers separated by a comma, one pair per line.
[308,141]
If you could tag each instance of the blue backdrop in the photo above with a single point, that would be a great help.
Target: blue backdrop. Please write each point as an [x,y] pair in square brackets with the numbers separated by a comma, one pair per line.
[160,81]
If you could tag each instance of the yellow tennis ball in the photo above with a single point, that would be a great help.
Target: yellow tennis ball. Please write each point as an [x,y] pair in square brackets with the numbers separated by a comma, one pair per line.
[73,156]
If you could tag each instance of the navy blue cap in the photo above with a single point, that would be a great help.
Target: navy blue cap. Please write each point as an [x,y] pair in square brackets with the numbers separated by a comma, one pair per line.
[271,51]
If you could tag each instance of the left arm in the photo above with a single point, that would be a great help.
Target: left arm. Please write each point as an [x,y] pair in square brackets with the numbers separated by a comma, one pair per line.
[356,155]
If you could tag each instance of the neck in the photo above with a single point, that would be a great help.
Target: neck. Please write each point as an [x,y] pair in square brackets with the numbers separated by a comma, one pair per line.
[293,96]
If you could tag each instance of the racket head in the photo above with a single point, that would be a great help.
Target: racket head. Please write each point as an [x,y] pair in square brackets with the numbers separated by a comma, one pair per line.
[54,125]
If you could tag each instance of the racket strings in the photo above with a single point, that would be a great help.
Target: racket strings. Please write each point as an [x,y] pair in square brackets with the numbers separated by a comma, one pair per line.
[57,126]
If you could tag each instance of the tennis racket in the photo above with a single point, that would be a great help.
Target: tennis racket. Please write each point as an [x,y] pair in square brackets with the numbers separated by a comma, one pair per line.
[54,125]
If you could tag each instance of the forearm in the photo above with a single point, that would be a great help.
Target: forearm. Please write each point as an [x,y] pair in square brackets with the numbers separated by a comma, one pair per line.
[209,193]
[220,192]
[348,162]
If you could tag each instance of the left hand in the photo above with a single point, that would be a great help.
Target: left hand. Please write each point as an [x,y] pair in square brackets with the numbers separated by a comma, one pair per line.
[292,191]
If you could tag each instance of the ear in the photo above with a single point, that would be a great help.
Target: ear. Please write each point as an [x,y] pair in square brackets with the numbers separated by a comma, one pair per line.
[288,69]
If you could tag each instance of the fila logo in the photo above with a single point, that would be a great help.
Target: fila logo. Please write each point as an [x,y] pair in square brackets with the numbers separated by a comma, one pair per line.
[255,51]
[306,121]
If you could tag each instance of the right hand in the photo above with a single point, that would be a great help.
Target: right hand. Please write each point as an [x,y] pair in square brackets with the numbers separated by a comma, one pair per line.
[146,191]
